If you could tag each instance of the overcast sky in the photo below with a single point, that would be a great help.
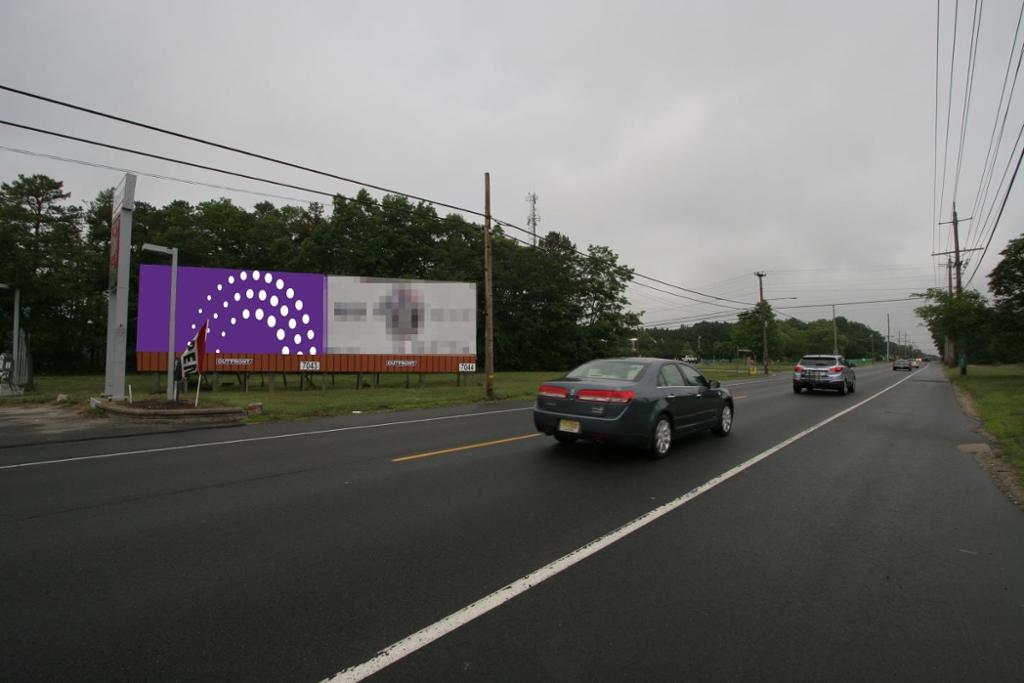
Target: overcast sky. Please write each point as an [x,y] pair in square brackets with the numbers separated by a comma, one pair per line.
[701,141]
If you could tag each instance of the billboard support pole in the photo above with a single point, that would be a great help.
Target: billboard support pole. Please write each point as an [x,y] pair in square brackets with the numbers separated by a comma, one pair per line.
[119,271]
[488,298]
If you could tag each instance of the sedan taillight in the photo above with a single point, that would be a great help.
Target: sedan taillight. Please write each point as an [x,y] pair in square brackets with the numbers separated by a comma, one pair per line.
[551,391]
[837,369]
[798,368]
[606,395]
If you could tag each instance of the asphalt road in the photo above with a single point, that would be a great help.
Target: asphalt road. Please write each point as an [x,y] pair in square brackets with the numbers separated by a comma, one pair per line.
[849,539]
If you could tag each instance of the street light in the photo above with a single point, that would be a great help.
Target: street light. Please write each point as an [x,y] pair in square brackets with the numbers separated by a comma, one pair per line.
[14,338]
[173,251]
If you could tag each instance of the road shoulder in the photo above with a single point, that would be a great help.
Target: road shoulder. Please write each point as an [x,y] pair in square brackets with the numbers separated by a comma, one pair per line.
[990,455]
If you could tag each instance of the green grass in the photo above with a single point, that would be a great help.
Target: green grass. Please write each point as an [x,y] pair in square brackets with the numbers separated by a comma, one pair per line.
[291,403]
[997,391]
[341,398]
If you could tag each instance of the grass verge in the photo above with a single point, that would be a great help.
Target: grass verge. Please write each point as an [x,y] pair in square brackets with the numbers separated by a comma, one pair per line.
[283,400]
[997,392]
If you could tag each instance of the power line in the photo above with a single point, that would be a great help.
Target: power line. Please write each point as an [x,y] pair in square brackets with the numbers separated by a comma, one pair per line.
[994,142]
[631,282]
[263,157]
[119,169]
[846,303]
[968,90]
[255,178]
[506,224]
[160,157]
[689,319]
[949,106]
[356,200]
[995,225]
[254,155]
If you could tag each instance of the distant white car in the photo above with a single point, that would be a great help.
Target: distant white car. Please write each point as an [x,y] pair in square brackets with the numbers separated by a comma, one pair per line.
[690,359]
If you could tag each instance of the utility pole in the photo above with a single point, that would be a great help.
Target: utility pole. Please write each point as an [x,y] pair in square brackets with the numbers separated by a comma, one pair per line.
[835,336]
[962,362]
[488,294]
[957,344]
[956,248]
[533,218]
[887,335]
[947,346]
[764,320]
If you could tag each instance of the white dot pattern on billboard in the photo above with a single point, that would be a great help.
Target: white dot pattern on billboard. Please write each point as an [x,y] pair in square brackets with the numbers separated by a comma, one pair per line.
[231,295]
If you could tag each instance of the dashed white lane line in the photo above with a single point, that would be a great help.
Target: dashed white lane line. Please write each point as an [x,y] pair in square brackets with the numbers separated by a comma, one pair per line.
[439,629]
[252,439]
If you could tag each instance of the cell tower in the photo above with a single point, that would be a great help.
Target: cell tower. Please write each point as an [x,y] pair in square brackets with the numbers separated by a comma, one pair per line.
[533,218]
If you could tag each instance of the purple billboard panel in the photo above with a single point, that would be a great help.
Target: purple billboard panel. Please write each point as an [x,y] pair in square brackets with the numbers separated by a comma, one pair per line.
[249,311]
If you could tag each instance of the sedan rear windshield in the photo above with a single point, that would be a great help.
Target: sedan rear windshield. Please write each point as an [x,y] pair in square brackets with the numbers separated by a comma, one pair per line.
[609,369]
[818,361]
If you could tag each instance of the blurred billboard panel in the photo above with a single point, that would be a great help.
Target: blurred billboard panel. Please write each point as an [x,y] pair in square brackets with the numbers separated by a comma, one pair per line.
[417,317]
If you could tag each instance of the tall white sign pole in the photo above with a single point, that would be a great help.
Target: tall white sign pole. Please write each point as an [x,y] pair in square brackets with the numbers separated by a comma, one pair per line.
[119,272]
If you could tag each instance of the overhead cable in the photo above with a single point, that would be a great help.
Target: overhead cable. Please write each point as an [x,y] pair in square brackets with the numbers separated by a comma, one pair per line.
[254,155]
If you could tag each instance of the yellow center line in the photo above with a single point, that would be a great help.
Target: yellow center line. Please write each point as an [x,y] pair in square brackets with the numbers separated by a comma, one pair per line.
[482,444]
[740,397]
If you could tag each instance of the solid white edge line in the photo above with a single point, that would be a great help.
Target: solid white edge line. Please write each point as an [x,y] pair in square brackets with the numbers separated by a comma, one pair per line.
[439,629]
[228,442]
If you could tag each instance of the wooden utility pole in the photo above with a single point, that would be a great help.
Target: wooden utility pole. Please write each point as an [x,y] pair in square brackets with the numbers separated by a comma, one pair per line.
[956,249]
[888,334]
[947,347]
[488,294]
[764,320]
[835,336]
[952,345]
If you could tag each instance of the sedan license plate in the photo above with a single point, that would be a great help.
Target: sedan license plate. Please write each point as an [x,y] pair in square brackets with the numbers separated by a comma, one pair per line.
[571,426]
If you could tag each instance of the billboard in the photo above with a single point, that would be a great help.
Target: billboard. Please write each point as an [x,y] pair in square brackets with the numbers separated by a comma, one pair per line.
[249,311]
[274,321]
[417,317]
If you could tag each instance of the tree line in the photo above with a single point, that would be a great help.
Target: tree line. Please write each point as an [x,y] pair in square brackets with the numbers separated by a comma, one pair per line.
[788,339]
[555,306]
[982,331]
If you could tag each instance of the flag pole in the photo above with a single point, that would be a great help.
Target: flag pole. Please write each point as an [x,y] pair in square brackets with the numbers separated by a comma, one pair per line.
[199,383]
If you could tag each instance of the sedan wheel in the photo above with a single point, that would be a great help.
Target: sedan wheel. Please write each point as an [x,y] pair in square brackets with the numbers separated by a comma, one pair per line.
[661,440]
[724,425]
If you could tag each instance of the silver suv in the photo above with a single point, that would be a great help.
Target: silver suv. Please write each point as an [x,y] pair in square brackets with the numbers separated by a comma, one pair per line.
[824,371]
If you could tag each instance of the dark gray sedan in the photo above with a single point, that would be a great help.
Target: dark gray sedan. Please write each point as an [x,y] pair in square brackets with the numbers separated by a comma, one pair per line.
[644,402]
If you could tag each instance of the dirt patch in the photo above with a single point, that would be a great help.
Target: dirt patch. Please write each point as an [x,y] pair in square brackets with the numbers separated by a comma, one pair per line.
[991,456]
[46,418]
